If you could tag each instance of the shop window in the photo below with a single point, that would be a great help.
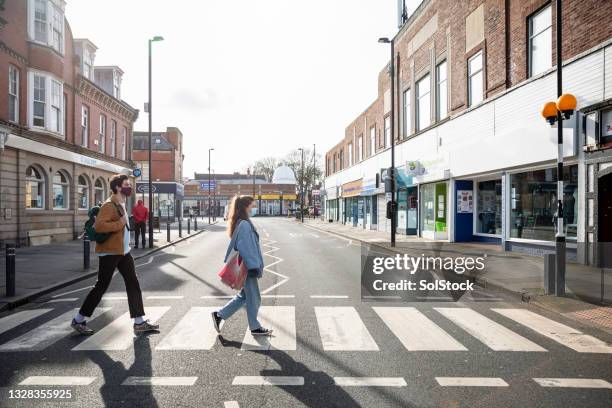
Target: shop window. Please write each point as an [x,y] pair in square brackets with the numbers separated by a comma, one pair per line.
[488,207]
[61,191]
[34,189]
[533,204]
[83,193]
[99,192]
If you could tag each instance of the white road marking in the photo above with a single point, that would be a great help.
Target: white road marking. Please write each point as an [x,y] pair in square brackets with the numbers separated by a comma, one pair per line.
[279,296]
[275,285]
[118,335]
[47,333]
[231,404]
[114,298]
[267,380]
[370,381]
[164,297]
[471,382]
[217,297]
[328,296]
[11,321]
[381,297]
[278,260]
[195,331]
[494,335]
[573,382]
[415,331]
[558,332]
[160,381]
[72,291]
[57,380]
[341,328]
[281,319]
[62,300]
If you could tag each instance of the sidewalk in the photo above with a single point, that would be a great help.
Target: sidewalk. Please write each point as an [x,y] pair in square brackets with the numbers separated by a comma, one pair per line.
[43,269]
[518,274]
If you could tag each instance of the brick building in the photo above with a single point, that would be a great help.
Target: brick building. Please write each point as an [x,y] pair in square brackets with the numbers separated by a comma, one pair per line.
[474,159]
[63,134]
[167,170]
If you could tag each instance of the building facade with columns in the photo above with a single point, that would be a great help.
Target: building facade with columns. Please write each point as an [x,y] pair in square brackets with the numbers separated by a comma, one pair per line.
[63,133]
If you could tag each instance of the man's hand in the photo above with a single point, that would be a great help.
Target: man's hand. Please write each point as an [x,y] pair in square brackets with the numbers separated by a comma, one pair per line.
[123,221]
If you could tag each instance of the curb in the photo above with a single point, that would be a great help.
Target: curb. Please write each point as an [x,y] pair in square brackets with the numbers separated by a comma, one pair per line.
[43,291]
[482,282]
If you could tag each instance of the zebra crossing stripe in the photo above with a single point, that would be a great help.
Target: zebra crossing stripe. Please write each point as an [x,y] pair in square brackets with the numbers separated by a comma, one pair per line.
[370,381]
[118,335]
[281,319]
[11,321]
[415,331]
[57,380]
[195,331]
[573,382]
[160,381]
[471,382]
[268,380]
[62,300]
[231,404]
[341,329]
[494,335]
[47,333]
[558,332]
[163,297]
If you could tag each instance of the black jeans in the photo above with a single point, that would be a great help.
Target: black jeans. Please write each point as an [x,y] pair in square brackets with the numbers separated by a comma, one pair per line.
[107,265]
[139,230]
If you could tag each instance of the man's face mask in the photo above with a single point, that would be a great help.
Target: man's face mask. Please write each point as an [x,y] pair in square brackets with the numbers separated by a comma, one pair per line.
[126,191]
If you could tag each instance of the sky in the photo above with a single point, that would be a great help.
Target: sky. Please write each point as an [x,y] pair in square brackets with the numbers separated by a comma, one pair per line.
[250,79]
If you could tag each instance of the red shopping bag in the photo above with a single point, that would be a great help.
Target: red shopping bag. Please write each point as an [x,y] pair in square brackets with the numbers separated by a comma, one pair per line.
[234,273]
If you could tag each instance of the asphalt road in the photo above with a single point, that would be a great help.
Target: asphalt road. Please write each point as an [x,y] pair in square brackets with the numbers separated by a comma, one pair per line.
[330,348]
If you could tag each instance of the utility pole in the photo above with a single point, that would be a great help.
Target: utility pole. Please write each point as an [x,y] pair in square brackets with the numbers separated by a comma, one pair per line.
[209,184]
[560,236]
[302,187]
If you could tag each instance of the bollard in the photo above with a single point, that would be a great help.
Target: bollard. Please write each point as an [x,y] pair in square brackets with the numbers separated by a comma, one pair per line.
[180,228]
[188,226]
[86,253]
[10,270]
[167,231]
[549,273]
[195,224]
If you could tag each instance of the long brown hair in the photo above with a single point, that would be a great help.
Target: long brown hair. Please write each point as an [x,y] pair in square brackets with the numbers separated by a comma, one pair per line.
[238,210]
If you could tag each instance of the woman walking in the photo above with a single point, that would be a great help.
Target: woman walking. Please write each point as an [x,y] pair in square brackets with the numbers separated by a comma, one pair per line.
[245,240]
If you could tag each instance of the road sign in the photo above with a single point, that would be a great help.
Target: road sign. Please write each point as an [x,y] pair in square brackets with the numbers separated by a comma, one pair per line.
[137,172]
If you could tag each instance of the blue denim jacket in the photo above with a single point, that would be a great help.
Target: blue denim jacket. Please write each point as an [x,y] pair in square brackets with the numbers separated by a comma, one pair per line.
[246,242]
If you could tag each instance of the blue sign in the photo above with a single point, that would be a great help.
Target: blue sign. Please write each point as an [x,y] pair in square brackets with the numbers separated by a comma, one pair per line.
[205,186]
[137,172]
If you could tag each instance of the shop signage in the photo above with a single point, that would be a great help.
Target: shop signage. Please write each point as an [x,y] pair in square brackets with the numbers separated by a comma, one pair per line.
[414,168]
[206,186]
[331,193]
[316,193]
[351,189]
[370,186]
[144,188]
[163,188]
[465,202]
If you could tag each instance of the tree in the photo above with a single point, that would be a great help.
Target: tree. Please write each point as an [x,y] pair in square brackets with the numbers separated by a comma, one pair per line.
[265,167]
[312,174]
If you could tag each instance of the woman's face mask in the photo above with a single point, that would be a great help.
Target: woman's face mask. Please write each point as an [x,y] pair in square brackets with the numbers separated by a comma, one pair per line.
[253,211]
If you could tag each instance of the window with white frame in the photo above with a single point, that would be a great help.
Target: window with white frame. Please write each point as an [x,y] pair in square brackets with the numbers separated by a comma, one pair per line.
[83,193]
[46,102]
[144,174]
[350,152]
[99,192]
[39,101]
[360,148]
[56,117]
[113,138]
[13,93]
[123,143]
[406,113]
[61,191]
[387,131]
[87,63]
[102,134]
[372,140]
[540,41]
[441,91]
[423,103]
[475,80]
[84,126]
[47,24]
[34,189]
[116,86]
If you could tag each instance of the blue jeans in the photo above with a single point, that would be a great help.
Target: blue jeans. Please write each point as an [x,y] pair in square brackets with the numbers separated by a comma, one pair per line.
[249,295]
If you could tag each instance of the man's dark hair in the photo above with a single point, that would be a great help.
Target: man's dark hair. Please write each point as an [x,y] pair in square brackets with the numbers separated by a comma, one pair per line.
[117,181]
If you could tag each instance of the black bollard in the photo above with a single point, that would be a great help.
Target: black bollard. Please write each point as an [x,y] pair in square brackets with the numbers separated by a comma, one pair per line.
[180,228]
[167,231]
[10,270]
[188,226]
[86,253]
[195,224]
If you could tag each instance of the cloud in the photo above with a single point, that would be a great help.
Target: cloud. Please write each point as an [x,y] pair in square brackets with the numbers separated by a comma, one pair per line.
[192,99]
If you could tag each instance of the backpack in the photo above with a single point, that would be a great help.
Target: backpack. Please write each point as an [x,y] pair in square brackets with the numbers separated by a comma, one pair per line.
[88,228]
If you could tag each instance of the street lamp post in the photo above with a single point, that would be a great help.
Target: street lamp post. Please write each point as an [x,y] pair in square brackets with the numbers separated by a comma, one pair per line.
[302,187]
[555,113]
[150,110]
[209,183]
[385,40]
[214,196]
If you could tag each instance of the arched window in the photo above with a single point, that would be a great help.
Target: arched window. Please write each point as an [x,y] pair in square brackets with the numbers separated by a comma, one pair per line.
[61,191]
[35,189]
[83,193]
[99,193]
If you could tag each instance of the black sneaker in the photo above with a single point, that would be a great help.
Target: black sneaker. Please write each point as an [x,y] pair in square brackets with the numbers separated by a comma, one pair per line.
[217,320]
[145,327]
[261,332]
[81,328]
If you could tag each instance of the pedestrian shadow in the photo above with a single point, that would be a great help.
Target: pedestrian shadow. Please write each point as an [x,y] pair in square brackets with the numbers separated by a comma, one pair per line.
[114,394]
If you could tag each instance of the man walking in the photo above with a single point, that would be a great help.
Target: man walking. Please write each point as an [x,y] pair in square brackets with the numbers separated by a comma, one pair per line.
[114,253]
[141,215]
